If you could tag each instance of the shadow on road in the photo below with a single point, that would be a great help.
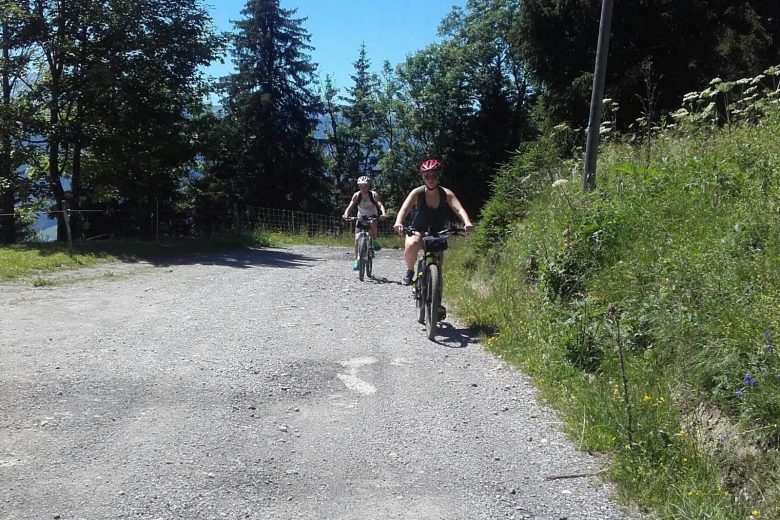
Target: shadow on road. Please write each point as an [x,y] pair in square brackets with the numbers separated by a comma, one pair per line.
[381,280]
[241,259]
[454,337]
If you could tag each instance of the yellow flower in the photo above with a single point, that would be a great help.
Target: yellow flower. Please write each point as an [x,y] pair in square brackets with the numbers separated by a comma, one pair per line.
[647,398]
[755,513]
[682,433]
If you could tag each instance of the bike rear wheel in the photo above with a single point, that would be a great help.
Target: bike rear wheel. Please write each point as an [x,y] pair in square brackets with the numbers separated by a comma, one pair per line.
[363,256]
[432,300]
[370,262]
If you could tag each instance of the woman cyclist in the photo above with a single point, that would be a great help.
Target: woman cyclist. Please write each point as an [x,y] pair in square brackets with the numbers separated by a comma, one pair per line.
[431,201]
[368,205]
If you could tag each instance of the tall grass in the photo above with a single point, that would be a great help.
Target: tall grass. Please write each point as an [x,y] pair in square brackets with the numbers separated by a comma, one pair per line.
[647,311]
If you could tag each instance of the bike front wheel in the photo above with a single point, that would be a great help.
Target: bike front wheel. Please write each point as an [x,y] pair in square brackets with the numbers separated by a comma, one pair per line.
[419,291]
[370,262]
[432,300]
[363,256]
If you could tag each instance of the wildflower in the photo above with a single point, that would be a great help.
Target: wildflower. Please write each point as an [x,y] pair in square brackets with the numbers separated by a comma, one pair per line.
[715,81]
[757,79]
[749,380]
[740,394]
[755,513]
[682,433]
[647,398]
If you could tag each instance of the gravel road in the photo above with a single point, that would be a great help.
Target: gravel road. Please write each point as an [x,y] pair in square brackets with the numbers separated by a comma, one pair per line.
[267,384]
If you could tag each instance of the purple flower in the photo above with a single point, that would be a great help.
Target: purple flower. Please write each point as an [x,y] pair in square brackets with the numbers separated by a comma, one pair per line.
[769,347]
[749,380]
[740,394]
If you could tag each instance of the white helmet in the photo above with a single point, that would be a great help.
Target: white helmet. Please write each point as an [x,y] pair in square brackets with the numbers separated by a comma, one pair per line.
[363,180]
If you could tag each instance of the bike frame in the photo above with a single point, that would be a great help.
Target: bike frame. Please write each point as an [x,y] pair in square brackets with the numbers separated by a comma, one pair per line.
[364,235]
[428,302]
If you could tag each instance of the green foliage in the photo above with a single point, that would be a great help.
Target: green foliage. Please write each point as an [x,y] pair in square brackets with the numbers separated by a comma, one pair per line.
[647,75]
[515,185]
[466,99]
[680,240]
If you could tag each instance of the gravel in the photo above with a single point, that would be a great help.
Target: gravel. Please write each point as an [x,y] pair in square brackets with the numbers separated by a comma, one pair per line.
[268,384]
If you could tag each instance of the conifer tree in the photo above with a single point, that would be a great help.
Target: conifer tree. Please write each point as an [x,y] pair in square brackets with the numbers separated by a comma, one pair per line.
[270,103]
[361,116]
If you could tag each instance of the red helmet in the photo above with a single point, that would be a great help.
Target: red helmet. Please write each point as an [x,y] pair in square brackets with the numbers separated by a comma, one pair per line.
[431,165]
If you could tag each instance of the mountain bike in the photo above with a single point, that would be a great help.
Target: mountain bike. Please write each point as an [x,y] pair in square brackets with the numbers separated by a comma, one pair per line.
[428,282]
[365,251]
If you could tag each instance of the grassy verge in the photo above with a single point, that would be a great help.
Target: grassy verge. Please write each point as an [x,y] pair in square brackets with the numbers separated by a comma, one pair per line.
[23,260]
[647,312]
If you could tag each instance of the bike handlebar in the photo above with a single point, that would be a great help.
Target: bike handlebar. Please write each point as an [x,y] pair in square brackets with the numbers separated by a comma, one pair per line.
[367,219]
[451,230]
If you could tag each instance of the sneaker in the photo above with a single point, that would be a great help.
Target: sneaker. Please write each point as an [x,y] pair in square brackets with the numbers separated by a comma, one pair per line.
[356,265]
[376,246]
[408,278]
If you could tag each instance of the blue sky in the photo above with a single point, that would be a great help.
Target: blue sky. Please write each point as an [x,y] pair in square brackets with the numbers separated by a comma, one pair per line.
[391,29]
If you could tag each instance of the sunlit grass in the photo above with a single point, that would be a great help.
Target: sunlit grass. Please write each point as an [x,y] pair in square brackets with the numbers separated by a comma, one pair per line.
[646,305]
[346,240]
[34,259]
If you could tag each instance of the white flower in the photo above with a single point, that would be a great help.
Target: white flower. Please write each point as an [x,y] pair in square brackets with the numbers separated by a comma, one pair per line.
[715,81]
[757,79]
[560,182]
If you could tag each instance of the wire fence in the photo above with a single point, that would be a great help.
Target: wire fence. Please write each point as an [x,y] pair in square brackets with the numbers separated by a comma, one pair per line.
[111,223]
[301,223]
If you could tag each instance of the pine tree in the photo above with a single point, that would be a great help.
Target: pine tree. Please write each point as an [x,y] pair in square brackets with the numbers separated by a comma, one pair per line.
[361,116]
[270,103]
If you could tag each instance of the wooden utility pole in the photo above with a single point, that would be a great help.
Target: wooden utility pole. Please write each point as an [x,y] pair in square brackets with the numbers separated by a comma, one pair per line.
[594,120]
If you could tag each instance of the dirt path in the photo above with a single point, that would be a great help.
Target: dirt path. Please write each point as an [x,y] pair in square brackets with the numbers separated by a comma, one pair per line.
[266,384]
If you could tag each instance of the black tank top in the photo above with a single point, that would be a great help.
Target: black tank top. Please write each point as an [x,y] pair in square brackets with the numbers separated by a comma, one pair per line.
[427,218]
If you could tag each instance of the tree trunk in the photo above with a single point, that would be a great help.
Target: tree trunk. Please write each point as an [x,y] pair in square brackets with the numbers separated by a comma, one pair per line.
[75,181]
[55,181]
[7,180]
